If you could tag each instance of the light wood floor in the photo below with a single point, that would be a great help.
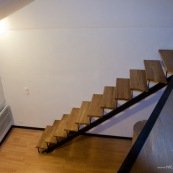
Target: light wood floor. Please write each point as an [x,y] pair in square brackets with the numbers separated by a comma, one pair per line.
[82,155]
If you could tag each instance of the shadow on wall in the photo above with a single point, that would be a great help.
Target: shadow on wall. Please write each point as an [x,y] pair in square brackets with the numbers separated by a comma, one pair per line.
[136,109]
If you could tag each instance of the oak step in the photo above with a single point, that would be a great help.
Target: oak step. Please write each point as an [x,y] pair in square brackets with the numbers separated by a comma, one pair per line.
[123,89]
[82,117]
[71,123]
[51,138]
[167,57]
[94,109]
[154,71]
[138,80]
[41,143]
[108,99]
[60,132]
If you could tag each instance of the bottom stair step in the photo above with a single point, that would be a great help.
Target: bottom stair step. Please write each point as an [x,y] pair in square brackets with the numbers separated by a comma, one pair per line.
[42,144]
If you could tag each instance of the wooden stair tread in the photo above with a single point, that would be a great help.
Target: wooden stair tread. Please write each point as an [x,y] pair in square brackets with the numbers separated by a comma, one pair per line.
[167,57]
[42,144]
[108,98]
[60,131]
[94,109]
[51,138]
[154,71]
[123,89]
[138,80]
[71,123]
[82,118]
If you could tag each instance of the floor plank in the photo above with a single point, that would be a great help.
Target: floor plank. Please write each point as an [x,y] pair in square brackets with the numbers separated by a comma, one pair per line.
[82,155]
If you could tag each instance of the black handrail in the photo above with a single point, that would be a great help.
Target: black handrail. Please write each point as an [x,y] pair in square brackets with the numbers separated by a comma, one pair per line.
[109,115]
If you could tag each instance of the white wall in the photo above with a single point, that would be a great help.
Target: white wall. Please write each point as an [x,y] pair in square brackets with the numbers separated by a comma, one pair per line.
[63,51]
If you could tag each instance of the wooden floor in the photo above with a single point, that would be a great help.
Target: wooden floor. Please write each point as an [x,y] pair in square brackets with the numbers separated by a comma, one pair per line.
[82,155]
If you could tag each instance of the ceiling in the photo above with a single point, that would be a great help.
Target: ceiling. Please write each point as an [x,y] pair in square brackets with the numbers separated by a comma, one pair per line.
[8,7]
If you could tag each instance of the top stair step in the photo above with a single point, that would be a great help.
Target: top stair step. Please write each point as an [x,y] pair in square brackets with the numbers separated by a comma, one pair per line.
[167,57]
[94,109]
[154,71]
[138,80]
[108,99]
[82,117]
[123,89]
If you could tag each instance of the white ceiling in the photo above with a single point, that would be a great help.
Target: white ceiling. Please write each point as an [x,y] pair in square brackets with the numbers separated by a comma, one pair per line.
[9,6]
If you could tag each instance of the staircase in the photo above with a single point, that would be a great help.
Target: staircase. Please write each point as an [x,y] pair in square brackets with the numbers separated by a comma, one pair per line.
[91,113]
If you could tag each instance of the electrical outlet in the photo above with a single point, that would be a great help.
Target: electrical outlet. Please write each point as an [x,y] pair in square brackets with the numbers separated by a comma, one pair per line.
[26,89]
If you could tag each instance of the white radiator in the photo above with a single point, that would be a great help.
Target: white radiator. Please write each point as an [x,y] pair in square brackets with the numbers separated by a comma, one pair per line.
[6,121]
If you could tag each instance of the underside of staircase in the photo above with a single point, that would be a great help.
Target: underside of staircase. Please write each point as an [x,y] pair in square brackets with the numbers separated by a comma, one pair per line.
[91,113]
